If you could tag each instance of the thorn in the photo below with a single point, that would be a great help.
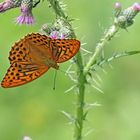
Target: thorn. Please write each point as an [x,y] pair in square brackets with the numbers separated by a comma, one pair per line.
[126,30]
[95,81]
[75,28]
[98,77]
[68,69]
[89,132]
[97,89]
[71,72]
[77,124]
[110,66]
[102,55]
[71,88]
[91,105]
[74,19]
[86,50]
[70,76]
[69,116]
[84,115]
[104,70]
[82,44]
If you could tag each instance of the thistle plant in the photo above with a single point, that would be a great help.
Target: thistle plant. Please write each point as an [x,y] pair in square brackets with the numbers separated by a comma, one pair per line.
[62,28]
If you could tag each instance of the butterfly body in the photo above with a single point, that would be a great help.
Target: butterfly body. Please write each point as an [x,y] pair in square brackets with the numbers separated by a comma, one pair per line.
[33,55]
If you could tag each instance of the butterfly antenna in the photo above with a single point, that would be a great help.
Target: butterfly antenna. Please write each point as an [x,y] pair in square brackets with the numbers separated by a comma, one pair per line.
[54,82]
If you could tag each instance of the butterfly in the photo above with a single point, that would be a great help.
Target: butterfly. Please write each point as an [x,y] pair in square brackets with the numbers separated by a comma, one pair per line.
[33,55]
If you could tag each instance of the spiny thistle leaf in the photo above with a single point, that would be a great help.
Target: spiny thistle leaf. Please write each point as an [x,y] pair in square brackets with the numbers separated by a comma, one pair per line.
[116,56]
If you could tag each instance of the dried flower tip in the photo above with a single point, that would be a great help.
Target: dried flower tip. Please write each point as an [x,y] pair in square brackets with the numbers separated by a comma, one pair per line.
[118,5]
[118,9]
[136,7]
[27,138]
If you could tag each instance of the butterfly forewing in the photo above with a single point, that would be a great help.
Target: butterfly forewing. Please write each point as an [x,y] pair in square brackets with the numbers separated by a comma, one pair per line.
[21,51]
[64,49]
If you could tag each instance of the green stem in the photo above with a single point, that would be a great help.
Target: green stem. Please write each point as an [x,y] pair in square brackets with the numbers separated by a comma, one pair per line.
[80,99]
[81,84]
[107,37]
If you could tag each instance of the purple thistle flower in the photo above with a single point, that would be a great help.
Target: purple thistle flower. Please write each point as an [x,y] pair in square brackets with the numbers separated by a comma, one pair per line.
[136,7]
[54,35]
[26,6]
[58,30]
[62,36]
[26,16]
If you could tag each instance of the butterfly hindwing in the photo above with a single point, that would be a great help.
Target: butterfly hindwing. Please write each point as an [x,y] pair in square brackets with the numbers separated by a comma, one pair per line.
[21,73]
[64,49]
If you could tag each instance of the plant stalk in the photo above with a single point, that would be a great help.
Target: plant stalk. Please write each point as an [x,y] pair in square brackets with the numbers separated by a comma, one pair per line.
[81,77]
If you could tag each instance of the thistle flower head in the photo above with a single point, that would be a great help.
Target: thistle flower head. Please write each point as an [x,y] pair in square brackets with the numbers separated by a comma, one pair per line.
[58,30]
[125,18]
[26,7]
[26,16]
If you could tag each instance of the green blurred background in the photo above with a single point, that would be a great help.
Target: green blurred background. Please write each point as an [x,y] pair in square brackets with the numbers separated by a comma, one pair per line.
[34,109]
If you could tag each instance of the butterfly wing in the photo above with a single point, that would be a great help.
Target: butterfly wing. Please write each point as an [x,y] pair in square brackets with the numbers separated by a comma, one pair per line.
[21,73]
[64,49]
[21,50]
[28,59]
[34,55]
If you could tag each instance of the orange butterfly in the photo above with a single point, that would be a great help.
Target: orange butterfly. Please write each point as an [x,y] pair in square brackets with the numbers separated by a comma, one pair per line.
[33,55]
